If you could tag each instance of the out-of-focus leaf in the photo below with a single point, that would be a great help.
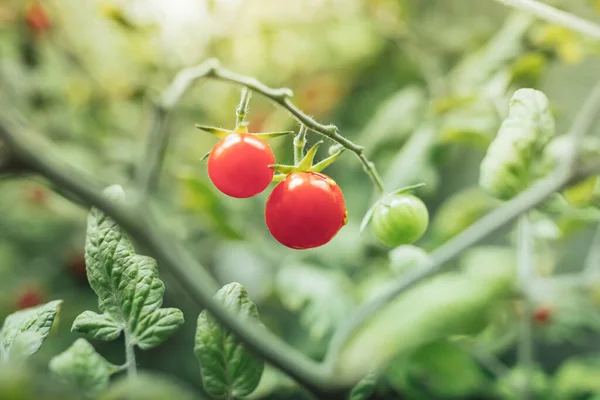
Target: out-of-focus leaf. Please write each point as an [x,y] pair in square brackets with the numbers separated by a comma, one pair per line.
[365,388]
[442,367]
[198,196]
[395,118]
[405,258]
[228,369]
[527,69]
[564,41]
[583,193]
[272,381]
[455,303]
[323,297]
[148,386]
[83,368]
[477,68]
[472,124]
[508,387]
[510,164]
[26,330]
[577,377]
[461,210]
[243,263]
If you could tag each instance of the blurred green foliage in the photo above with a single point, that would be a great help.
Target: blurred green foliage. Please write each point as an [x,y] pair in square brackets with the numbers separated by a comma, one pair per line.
[423,85]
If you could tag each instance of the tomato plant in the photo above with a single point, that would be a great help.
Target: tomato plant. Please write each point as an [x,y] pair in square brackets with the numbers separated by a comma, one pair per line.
[305,210]
[239,165]
[450,112]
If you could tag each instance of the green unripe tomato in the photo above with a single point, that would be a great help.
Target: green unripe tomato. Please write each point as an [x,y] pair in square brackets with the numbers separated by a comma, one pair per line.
[401,219]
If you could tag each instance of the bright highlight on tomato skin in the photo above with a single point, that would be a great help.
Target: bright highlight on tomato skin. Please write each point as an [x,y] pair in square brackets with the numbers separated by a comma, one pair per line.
[305,210]
[239,165]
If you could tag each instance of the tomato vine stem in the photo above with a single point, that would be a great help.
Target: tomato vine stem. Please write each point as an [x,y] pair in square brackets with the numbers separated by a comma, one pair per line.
[299,144]
[158,137]
[551,14]
[525,274]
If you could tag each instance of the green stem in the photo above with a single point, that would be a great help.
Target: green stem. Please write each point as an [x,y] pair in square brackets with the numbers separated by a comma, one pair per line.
[211,69]
[130,356]
[158,136]
[242,109]
[556,16]
[282,97]
[525,263]
[299,143]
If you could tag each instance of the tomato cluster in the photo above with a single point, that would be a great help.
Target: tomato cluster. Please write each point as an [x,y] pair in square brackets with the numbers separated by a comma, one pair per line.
[305,210]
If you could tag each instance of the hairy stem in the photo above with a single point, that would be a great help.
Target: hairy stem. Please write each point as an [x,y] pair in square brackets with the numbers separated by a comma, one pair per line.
[551,14]
[525,260]
[211,69]
[242,109]
[130,356]
[299,144]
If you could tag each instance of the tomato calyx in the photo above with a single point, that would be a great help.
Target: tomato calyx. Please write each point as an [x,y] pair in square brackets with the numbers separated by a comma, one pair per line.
[306,164]
[240,128]
[383,201]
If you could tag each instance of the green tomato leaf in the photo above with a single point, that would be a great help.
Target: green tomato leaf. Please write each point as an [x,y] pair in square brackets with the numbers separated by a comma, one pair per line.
[365,388]
[130,293]
[83,368]
[24,345]
[26,330]
[322,296]
[228,369]
[512,161]
[97,326]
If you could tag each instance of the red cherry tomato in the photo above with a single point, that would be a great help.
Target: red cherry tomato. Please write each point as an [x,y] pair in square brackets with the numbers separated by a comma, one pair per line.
[37,20]
[239,165]
[305,210]
[542,315]
[29,298]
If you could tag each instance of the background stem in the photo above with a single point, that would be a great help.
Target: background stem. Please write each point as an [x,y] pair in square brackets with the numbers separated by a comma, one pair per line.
[556,16]
[525,266]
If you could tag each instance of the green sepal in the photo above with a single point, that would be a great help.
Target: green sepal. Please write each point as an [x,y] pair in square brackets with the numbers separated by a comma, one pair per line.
[279,177]
[369,214]
[204,157]
[321,165]
[271,135]
[307,162]
[284,169]
[220,132]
